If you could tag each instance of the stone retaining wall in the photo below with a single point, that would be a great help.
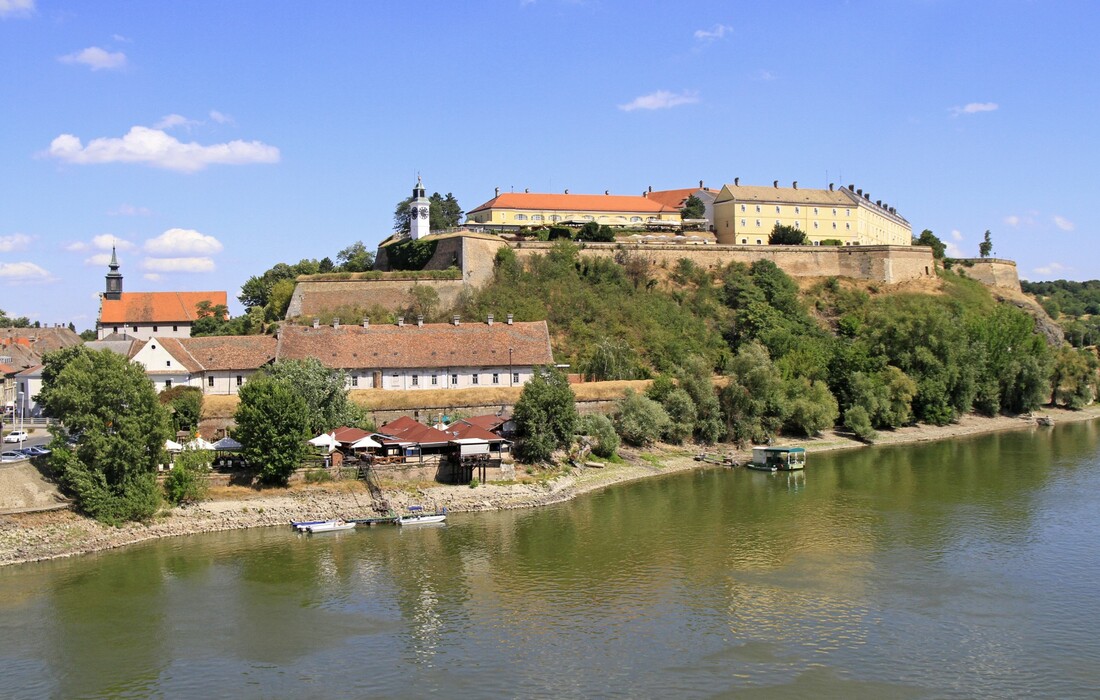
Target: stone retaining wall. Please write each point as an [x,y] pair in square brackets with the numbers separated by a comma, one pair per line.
[992,272]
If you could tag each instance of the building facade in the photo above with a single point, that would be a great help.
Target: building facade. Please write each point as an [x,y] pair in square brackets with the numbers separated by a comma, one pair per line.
[678,198]
[519,210]
[746,215]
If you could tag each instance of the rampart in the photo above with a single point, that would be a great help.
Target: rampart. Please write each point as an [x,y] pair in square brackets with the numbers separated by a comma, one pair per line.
[993,272]
[889,264]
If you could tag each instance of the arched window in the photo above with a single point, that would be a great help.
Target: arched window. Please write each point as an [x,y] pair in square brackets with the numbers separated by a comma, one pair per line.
[521,217]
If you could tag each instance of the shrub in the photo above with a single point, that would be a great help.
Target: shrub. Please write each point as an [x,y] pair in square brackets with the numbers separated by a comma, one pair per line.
[639,420]
[831,241]
[600,427]
[474,483]
[682,415]
[857,420]
[186,483]
[786,235]
[557,232]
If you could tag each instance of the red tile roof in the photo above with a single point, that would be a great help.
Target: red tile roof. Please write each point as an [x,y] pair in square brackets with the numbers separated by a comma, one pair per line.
[462,430]
[408,429]
[574,202]
[433,345]
[224,352]
[156,307]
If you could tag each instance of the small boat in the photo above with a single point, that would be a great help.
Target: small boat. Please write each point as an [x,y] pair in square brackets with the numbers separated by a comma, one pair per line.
[301,525]
[417,516]
[772,459]
[329,526]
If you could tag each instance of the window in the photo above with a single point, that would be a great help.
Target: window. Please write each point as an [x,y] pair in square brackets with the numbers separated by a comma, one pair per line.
[536,217]
[742,207]
[115,329]
[796,224]
[167,383]
[817,242]
[815,211]
[435,380]
[777,222]
[587,217]
[847,212]
[635,219]
[473,378]
[135,329]
[240,380]
[355,380]
[416,380]
[521,217]
[777,209]
[742,222]
[815,224]
[175,328]
[757,208]
[834,212]
[209,381]
[154,329]
[496,378]
[555,217]
[798,210]
[834,224]
[758,223]
[848,226]
[515,377]
[454,380]
[167,363]
[744,241]
[758,241]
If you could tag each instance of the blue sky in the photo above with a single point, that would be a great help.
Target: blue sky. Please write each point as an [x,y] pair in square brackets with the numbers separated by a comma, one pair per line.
[211,140]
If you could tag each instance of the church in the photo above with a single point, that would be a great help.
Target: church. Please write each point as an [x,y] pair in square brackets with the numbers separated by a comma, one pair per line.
[143,315]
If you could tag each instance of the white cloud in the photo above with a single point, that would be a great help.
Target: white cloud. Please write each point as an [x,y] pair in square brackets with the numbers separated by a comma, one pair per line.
[198,264]
[152,276]
[169,121]
[765,75]
[21,272]
[181,241]
[103,241]
[16,241]
[956,234]
[709,35]
[1012,220]
[121,39]
[96,58]
[220,118]
[156,148]
[129,210]
[1063,223]
[662,99]
[98,260]
[952,250]
[16,8]
[1051,269]
[974,108]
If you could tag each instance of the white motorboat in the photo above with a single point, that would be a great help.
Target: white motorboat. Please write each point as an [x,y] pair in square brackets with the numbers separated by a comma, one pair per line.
[329,526]
[417,516]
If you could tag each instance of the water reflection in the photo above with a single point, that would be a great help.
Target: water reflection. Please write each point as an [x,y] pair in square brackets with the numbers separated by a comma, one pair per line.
[950,569]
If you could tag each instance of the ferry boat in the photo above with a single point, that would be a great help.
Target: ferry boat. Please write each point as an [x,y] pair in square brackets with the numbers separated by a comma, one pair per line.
[778,459]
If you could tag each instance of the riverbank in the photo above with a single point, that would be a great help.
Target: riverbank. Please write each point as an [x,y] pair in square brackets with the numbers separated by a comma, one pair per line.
[40,536]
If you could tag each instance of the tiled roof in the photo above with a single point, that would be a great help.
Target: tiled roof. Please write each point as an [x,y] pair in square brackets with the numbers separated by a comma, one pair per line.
[122,345]
[676,198]
[785,195]
[574,202]
[6,369]
[349,435]
[43,340]
[223,352]
[433,345]
[462,430]
[156,307]
[488,423]
[412,431]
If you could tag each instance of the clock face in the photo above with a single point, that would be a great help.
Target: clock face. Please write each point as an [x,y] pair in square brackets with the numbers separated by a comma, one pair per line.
[423,212]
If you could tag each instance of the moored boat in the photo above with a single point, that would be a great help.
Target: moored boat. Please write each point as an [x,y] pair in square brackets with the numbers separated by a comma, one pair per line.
[329,526]
[772,459]
[302,525]
[417,516]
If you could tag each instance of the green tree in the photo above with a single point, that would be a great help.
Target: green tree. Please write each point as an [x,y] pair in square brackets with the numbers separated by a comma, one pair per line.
[786,235]
[602,430]
[808,407]
[109,403]
[1074,377]
[8,322]
[857,420]
[88,335]
[272,426]
[354,258]
[929,239]
[682,416]
[184,405]
[986,246]
[444,212]
[639,420]
[592,231]
[753,399]
[545,414]
[323,390]
[693,208]
[423,301]
[186,481]
[611,360]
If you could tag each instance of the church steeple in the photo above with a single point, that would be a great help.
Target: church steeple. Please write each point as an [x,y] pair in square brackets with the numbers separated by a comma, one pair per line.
[114,279]
[419,223]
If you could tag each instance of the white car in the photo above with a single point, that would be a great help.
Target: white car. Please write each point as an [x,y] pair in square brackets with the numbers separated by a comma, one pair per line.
[16,436]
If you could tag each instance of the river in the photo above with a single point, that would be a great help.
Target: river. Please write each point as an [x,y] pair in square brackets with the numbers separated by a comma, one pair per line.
[957,569]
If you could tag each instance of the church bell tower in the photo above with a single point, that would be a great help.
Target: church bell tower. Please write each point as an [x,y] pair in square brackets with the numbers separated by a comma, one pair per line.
[114,279]
[419,223]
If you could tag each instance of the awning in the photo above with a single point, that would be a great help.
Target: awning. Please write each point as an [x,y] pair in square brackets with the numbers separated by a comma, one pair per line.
[199,444]
[364,443]
[227,444]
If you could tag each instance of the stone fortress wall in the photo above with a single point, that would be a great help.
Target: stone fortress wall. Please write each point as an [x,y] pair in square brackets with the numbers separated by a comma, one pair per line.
[474,253]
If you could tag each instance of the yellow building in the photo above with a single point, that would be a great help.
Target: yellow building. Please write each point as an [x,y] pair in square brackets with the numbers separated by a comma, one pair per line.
[517,210]
[746,215]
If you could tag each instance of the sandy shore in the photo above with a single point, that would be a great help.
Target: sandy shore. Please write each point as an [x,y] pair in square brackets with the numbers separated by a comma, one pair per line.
[39,536]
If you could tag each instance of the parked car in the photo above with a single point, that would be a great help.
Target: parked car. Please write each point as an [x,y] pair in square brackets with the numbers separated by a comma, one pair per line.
[16,436]
[11,456]
[36,451]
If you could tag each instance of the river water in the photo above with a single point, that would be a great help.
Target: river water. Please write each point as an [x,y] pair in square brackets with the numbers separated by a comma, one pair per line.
[953,569]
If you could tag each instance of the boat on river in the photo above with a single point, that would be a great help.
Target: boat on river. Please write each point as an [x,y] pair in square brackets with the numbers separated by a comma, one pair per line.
[329,526]
[418,516]
[302,525]
[778,459]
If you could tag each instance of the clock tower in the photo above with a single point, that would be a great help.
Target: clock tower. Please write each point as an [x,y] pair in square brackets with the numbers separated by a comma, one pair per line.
[419,223]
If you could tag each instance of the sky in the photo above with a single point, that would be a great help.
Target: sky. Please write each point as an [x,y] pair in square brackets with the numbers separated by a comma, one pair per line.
[209,140]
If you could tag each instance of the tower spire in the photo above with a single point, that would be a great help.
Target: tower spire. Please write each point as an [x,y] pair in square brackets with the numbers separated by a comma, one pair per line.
[114,278]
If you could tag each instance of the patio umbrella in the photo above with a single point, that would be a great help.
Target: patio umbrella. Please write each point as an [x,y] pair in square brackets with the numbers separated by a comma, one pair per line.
[365,442]
[227,444]
[173,446]
[199,444]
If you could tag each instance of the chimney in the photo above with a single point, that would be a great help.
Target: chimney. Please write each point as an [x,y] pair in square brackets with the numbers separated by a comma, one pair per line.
[775,184]
[400,321]
[567,191]
[851,188]
[527,190]
[496,191]
[420,320]
[509,319]
[650,188]
[867,196]
[878,202]
[316,323]
[335,323]
[795,184]
[700,184]
[736,181]
[489,320]
[607,191]
[454,319]
[366,322]
[859,192]
[830,187]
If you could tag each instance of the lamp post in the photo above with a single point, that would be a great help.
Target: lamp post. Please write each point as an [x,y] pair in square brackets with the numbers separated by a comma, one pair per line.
[509,367]
[22,413]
